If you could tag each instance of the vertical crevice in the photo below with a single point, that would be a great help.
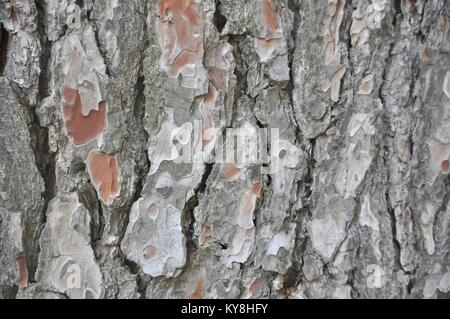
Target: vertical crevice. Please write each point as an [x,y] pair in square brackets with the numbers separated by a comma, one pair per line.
[139,115]
[4,42]
[46,49]
[44,158]
[387,136]
[295,8]
[143,163]
[219,19]
[188,213]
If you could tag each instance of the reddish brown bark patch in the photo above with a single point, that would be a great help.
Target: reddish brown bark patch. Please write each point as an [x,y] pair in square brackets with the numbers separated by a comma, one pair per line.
[179,8]
[180,29]
[217,78]
[79,128]
[208,125]
[209,98]
[150,252]
[231,171]
[248,204]
[104,173]
[21,264]
[101,252]
[14,17]
[254,286]
[205,236]
[256,189]
[426,53]
[153,211]
[270,17]
[249,199]
[445,167]
[198,291]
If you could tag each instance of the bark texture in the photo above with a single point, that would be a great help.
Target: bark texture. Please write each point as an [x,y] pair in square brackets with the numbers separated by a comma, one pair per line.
[96,97]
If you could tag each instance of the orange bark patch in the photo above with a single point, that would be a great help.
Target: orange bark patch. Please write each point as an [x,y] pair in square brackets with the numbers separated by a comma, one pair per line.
[82,129]
[364,88]
[254,287]
[210,97]
[439,151]
[426,53]
[256,189]
[330,51]
[249,199]
[101,252]
[153,211]
[21,264]
[14,17]
[179,8]
[268,43]
[104,173]
[180,33]
[230,171]
[217,78]
[248,204]
[150,252]
[270,17]
[207,122]
[445,167]
[198,291]
[205,236]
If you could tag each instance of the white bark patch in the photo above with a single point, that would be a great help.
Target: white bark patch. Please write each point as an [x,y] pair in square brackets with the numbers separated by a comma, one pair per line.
[367,218]
[444,284]
[366,86]
[427,231]
[327,233]
[439,154]
[83,68]
[446,85]
[334,84]
[332,24]
[163,147]
[16,230]
[67,262]
[241,247]
[155,242]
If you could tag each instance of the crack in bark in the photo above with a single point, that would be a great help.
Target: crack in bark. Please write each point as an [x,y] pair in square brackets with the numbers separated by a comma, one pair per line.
[4,41]
[188,213]
[294,7]
[219,19]
[138,113]
[387,132]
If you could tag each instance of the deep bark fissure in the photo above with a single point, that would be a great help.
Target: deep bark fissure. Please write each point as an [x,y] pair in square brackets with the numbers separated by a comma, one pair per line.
[219,20]
[387,136]
[4,40]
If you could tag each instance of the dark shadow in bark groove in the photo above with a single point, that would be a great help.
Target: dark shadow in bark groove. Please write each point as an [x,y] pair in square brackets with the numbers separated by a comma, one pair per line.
[188,212]
[219,20]
[46,49]
[4,41]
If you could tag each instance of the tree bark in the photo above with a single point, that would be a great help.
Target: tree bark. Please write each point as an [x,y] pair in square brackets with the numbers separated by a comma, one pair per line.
[99,97]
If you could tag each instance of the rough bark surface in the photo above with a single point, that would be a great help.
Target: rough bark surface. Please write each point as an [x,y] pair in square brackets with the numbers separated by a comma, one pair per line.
[97,96]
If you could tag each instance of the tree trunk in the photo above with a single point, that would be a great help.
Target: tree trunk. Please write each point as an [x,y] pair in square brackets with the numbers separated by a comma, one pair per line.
[117,121]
